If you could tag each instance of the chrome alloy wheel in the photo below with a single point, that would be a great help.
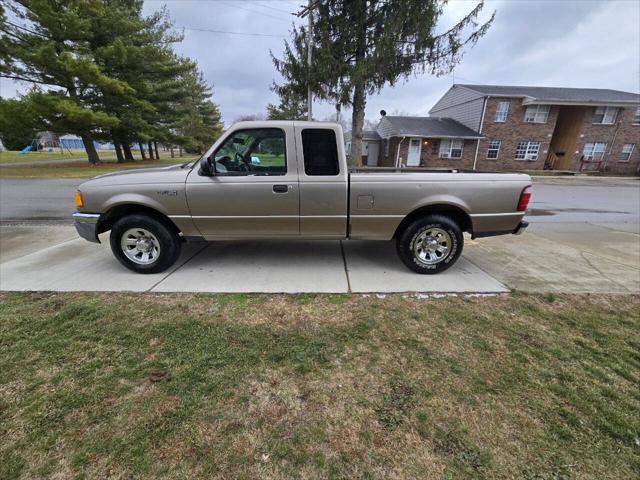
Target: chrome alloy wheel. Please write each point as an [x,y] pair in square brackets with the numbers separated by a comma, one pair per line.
[432,245]
[140,246]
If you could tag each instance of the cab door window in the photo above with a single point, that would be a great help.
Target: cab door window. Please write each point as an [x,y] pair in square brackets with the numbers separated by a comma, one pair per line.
[259,151]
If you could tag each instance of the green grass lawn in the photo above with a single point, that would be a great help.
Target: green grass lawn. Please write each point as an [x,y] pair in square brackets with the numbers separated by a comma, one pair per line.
[83,169]
[74,164]
[319,386]
[14,157]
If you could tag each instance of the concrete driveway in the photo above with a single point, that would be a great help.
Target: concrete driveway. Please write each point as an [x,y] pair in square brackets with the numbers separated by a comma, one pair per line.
[29,261]
[584,237]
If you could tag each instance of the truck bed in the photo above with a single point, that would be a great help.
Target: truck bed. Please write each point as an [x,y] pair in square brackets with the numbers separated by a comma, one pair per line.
[381,198]
[365,169]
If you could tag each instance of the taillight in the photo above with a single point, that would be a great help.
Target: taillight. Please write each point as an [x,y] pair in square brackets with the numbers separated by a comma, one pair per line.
[525,196]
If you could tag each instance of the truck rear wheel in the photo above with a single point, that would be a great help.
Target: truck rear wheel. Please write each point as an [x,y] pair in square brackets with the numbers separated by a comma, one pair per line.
[144,244]
[430,244]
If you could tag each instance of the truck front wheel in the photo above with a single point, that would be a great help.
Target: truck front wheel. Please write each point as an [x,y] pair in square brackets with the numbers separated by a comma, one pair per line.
[430,244]
[144,244]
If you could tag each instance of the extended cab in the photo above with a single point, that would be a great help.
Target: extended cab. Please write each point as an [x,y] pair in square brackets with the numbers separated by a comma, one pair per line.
[286,179]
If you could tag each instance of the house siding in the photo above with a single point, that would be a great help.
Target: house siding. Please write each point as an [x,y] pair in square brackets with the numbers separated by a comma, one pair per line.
[469,114]
[461,104]
[385,128]
[455,96]
[512,132]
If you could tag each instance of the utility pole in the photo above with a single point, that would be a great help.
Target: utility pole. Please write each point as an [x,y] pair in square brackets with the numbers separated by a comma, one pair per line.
[309,48]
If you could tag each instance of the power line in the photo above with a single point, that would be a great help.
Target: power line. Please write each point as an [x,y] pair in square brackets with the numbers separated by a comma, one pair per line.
[273,8]
[233,33]
[254,11]
[26,29]
[220,1]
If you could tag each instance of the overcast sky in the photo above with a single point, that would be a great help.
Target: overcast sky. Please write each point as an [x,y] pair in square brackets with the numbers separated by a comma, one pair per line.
[532,42]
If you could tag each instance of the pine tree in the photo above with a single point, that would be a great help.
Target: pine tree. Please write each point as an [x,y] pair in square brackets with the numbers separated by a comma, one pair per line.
[18,127]
[137,50]
[104,70]
[359,46]
[292,106]
[49,46]
[200,123]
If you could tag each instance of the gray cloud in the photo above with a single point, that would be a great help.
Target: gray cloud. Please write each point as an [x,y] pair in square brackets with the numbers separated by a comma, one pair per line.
[541,42]
[239,66]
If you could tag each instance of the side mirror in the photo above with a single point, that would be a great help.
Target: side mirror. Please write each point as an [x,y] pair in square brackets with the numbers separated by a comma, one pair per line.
[207,167]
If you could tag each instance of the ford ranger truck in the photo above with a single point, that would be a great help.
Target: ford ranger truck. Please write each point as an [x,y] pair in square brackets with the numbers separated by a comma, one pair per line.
[290,180]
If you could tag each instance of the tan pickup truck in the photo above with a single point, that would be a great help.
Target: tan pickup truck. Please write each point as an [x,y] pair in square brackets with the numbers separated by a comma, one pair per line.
[286,179]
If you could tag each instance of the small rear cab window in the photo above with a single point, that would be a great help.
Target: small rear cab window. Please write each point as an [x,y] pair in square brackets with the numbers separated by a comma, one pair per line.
[320,151]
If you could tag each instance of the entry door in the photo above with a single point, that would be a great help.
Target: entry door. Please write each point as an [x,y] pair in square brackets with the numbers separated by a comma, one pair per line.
[255,191]
[372,156]
[413,157]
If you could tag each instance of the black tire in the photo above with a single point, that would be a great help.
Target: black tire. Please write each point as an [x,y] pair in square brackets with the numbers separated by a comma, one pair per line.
[168,242]
[407,239]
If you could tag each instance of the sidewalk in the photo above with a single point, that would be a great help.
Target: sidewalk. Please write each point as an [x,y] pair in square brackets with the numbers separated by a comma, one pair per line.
[560,258]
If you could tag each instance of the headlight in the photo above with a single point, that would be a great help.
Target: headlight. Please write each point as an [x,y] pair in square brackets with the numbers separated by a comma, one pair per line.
[77,198]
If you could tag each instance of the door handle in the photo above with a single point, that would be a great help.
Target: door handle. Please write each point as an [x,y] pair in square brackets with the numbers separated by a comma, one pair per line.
[280,188]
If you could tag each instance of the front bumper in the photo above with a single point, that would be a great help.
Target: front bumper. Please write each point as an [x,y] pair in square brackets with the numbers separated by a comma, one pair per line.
[522,226]
[87,225]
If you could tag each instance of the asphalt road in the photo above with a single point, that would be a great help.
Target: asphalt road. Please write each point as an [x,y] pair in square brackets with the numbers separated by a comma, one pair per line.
[591,200]
[37,199]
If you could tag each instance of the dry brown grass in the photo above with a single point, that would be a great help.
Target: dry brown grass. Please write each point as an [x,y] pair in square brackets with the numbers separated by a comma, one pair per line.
[319,386]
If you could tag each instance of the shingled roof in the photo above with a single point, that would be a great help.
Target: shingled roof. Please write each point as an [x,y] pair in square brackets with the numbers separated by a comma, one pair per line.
[427,127]
[593,96]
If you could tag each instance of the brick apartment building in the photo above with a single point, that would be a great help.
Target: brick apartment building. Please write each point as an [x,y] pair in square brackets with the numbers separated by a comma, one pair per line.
[488,127]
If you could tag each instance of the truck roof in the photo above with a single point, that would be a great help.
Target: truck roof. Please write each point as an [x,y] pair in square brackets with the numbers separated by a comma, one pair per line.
[281,123]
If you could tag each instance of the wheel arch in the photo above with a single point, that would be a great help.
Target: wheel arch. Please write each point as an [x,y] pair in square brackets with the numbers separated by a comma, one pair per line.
[454,212]
[118,211]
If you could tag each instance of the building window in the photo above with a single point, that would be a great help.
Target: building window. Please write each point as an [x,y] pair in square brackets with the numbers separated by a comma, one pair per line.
[636,116]
[527,151]
[605,115]
[493,150]
[451,148]
[537,114]
[501,112]
[593,152]
[627,150]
